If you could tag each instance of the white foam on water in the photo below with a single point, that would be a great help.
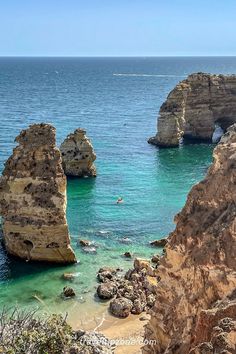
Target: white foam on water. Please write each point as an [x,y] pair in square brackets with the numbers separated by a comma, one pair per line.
[217,134]
[151,75]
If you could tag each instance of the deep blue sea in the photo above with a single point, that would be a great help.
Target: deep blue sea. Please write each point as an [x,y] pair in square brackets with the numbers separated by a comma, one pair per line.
[117,101]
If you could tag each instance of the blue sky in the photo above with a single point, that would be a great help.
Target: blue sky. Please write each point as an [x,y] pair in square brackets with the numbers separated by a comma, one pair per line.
[117,27]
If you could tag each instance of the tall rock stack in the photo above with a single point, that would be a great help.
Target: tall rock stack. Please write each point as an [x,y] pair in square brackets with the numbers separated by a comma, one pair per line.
[78,155]
[195,107]
[195,309]
[33,199]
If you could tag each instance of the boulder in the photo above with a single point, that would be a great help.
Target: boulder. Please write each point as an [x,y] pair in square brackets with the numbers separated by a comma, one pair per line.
[105,274]
[85,243]
[106,290]
[138,306]
[127,255]
[121,307]
[156,259]
[159,243]
[68,291]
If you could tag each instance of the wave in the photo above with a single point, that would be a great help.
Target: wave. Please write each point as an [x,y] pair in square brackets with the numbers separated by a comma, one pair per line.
[152,75]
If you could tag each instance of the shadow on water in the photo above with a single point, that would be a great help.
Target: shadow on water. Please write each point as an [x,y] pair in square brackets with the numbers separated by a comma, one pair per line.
[80,187]
[78,191]
[188,156]
[13,268]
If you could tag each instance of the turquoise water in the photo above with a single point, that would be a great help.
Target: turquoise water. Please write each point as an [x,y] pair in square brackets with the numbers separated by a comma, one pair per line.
[116,100]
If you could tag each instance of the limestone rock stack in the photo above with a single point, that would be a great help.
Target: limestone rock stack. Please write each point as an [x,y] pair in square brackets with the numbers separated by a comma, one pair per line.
[33,199]
[78,155]
[195,308]
[195,107]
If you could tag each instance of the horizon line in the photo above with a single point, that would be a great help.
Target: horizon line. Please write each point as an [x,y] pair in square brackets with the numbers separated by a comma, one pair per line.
[117,56]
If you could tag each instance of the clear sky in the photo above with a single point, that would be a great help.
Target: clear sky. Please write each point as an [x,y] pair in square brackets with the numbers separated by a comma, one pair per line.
[117,27]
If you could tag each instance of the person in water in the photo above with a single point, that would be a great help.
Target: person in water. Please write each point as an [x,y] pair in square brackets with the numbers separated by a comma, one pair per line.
[119,200]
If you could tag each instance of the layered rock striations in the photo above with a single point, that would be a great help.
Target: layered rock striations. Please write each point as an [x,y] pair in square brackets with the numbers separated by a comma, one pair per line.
[195,309]
[33,199]
[195,107]
[78,155]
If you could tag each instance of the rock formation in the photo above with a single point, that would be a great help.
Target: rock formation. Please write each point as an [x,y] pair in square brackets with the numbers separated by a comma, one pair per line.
[195,107]
[33,199]
[195,308]
[78,155]
[133,292]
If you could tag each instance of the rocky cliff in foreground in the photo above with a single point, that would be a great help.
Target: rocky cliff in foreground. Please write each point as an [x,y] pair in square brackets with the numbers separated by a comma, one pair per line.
[78,155]
[195,308]
[194,107]
[33,199]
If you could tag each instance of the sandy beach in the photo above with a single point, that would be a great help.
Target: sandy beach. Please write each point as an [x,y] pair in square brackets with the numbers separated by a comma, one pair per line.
[126,332]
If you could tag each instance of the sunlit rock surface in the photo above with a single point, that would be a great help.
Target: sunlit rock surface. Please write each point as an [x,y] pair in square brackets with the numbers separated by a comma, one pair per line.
[196,293]
[33,199]
[194,108]
[78,155]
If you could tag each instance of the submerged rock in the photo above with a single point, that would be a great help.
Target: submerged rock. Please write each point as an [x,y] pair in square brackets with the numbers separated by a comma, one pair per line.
[78,155]
[33,199]
[125,240]
[69,276]
[127,255]
[85,243]
[195,108]
[68,291]
[159,243]
[197,273]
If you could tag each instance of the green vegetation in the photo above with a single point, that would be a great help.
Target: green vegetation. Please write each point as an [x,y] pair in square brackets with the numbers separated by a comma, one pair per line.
[24,332]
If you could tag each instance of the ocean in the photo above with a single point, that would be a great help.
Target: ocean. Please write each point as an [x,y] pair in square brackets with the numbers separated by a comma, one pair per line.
[117,101]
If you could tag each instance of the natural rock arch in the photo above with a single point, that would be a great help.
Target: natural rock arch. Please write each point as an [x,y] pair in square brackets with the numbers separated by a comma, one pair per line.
[195,107]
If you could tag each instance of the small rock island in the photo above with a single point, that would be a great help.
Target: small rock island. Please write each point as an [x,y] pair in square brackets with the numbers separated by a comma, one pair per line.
[33,199]
[78,155]
[195,108]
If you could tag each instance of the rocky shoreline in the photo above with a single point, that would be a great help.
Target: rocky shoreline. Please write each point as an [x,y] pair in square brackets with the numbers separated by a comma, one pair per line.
[189,291]
[131,293]
[195,309]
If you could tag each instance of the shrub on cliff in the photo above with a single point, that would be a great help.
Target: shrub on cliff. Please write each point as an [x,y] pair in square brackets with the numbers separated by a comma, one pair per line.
[23,332]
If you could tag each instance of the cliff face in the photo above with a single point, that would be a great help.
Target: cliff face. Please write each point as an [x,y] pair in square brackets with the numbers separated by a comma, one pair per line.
[33,199]
[194,107]
[196,293]
[78,155]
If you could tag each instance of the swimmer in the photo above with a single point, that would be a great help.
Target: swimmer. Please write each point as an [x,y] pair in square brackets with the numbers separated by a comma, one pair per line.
[119,200]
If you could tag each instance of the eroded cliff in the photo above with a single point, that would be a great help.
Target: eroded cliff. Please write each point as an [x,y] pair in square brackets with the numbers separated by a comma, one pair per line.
[33,199]
[195,107]
[195,305]
[78,155]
